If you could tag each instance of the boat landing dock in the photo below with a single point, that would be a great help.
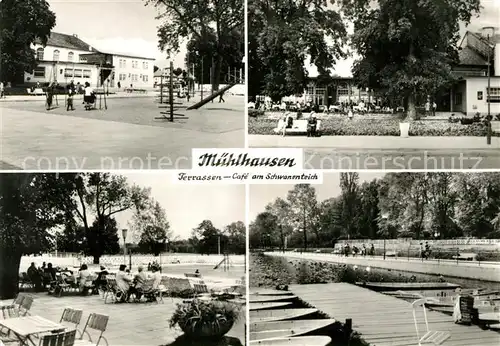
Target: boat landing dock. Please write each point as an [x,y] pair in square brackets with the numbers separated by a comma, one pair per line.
[387,321]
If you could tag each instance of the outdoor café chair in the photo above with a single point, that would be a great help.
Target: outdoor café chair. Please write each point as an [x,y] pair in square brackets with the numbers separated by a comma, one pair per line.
[97,323]
[152,294]
[72,316]
[25,281]
[60,285]
[434,337]
[114,292]
[20,306]
[60,339]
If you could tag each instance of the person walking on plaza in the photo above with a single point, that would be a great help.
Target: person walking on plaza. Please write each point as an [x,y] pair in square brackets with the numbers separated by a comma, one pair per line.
[2,90]
[434,106]
[221,98]
[69,100]
[428,108]
[50,96]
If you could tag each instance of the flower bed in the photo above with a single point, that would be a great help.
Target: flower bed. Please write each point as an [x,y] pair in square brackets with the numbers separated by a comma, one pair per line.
[383,125]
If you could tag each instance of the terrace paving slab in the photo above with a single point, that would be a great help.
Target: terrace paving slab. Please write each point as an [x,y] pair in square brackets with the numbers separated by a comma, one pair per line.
[129,324]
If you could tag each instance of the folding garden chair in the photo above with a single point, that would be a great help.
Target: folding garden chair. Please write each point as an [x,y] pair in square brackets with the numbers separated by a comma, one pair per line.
[97,323]
[72,316]
[430,337]
[25,281]
[114,292]
[60,339]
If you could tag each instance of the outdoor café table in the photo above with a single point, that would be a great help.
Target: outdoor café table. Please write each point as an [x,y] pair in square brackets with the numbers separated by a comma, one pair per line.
[25,327]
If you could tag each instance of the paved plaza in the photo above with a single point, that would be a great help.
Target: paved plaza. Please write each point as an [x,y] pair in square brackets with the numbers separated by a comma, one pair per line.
[385,152]
[129,324]
[125,136]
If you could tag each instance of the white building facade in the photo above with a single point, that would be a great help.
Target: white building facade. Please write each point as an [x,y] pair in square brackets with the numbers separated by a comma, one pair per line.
[67,58]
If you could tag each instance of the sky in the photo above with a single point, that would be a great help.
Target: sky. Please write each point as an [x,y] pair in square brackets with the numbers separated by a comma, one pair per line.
[489,16]
[262,195]
[187,206]
[117,26]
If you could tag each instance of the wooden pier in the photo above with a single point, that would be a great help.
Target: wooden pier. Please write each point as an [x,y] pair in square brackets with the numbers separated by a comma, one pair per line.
[387,321]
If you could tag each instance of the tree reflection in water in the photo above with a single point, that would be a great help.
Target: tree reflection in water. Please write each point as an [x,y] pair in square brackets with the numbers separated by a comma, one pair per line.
[225,341]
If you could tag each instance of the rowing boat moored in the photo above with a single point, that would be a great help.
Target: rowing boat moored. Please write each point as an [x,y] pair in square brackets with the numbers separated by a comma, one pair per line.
[270,305]
[294,341]
[280,314]
[284,329]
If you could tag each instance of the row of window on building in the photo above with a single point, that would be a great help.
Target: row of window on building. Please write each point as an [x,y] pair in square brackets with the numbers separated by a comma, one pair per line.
[135,64]
[133,77]
[71,56]
[40,72]
[55,56]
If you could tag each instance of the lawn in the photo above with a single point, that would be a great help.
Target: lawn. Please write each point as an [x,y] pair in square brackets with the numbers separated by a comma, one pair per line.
[370,125]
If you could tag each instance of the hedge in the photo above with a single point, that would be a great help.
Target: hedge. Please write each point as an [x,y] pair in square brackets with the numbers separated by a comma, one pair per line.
[374,127]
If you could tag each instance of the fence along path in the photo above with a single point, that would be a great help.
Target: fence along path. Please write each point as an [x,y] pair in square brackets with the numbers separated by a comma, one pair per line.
[384,320]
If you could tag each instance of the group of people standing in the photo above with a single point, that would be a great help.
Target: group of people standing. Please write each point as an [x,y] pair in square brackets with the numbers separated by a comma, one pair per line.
[71,91]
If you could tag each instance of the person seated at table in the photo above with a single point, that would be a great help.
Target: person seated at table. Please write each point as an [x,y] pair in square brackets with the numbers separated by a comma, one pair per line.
[101,281]
[35,277]
[82,278]
[156,279]
[139,281]
[312,123]
[123,281]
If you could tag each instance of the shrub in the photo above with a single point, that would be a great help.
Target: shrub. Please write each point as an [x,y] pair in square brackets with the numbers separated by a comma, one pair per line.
[375,126]
[254,113]
[200,318]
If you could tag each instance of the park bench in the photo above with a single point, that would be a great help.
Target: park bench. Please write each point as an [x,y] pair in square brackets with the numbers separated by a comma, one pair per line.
[37,91]
[298,126]
[465,256]
[131,90]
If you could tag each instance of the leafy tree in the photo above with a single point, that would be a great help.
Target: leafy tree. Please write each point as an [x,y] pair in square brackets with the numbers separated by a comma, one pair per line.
[150,227]
[369,210]
[404,198]
[407,47]
[442,201]
[22,24]
[281,34]
[200,51]
[30,206]
[208,238]
[330,220]
[236,237]
[263,230]
[284,220]
[303,208]
[478,204]
[184,20]
[103,195]
[101,238]
[349,185]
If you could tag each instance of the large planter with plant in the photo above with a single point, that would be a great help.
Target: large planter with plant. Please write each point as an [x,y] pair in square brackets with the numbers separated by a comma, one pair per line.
[404,128]
[205,319]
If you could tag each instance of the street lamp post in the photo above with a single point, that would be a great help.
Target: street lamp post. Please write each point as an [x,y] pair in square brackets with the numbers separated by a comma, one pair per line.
[489,30]
[384,217]
[124,234]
